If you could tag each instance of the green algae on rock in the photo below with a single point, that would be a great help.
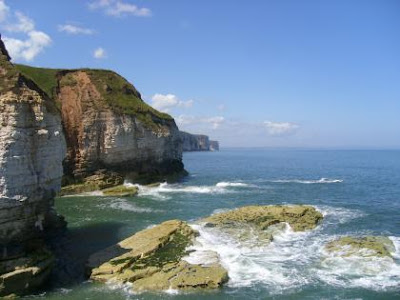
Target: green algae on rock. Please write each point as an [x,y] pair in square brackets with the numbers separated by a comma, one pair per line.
[152,260]
[362,246]
[121,191]
[299,217]
[100,180]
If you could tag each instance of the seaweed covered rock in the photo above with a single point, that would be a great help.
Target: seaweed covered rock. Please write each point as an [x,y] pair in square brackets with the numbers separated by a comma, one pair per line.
[121,191]
[152,260]
[367,246]
[100,180]
[299,217]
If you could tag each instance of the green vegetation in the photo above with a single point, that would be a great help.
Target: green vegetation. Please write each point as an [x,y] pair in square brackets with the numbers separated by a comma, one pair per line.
[9,76]
[121,191]
[46,79]
[122,96]
[118,93]
[171,252]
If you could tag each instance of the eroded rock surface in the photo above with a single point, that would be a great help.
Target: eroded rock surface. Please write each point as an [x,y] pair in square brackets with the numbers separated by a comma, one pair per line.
[152,260]
[367,246]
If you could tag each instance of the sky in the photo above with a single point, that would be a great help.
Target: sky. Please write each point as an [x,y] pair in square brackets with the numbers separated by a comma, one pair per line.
[282,73]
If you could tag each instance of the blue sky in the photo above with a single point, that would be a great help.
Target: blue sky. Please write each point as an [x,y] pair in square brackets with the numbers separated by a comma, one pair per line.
[247,73]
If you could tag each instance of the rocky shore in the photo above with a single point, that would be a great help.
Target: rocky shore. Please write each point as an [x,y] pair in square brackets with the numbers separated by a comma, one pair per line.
[155,259]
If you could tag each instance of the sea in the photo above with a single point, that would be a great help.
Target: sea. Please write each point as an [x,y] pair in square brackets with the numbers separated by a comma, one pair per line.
[357,191]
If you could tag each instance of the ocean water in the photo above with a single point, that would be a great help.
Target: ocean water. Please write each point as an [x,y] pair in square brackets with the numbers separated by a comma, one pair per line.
[357,191]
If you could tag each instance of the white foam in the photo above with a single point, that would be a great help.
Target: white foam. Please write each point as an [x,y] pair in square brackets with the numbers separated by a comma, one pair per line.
[360,270]
[341,215]
[304,181]
[161,192]
[122,204]
[294,259]
[271,265]
[225,184]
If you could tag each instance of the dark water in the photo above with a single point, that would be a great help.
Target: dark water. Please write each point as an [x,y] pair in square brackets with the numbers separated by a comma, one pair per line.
[357,191]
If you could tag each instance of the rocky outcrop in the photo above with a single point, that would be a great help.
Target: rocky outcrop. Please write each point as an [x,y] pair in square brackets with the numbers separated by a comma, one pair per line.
[32,147]
[152,260]
[367,246]
[214,146]
[299,217]
[108,126]
[197,142]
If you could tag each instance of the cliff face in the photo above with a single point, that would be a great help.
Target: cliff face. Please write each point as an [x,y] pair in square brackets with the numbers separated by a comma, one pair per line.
[214,146]
[197,142]
[108,126]
[32,147]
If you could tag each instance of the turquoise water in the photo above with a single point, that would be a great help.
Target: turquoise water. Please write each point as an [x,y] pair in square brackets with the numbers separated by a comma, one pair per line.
[357,191]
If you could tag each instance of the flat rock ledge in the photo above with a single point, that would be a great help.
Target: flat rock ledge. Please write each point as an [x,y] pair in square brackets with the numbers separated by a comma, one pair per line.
[21,275]
[299,217]
[368,246]
[152,261]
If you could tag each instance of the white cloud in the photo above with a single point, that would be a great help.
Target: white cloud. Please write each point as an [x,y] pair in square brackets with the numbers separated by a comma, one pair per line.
[99,53]
[207,122]
[73,29]
[221,107]
[22,24]
[166,102]
[29,48]
[4,10]
[34,43]
[280,128]
[118,8]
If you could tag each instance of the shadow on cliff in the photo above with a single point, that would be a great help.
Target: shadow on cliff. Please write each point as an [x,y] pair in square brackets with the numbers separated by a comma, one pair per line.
[73,249]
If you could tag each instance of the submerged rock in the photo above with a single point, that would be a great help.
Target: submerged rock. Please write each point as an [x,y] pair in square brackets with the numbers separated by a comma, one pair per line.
[299,217]
[362,246]
[152,260]
[121,191]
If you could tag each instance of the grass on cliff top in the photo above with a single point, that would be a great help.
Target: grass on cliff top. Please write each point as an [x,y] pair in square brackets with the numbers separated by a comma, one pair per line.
[122,96]
[46,79]
[118,93]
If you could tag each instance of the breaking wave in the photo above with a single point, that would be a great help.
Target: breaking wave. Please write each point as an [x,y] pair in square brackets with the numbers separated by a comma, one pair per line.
[304,181]
[293,260]
[125,205]
[161,192]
